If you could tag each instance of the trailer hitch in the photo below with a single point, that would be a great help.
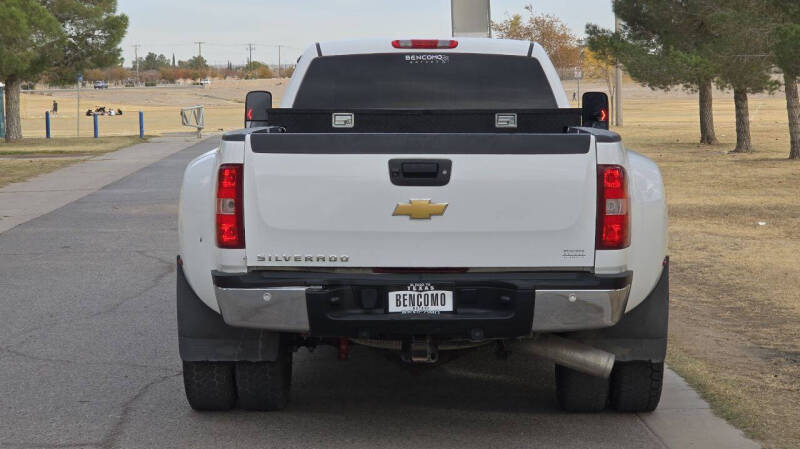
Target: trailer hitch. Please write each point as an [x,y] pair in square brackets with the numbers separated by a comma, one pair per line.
[420,350]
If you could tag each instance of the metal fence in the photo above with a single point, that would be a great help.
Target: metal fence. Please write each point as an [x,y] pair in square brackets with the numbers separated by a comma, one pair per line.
[194,117]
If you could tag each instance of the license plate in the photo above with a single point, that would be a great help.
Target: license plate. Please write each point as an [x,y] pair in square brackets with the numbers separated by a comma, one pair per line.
[420,298]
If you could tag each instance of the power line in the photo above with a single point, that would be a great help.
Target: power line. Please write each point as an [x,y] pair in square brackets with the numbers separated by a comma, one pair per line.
[250,47]
[215,44]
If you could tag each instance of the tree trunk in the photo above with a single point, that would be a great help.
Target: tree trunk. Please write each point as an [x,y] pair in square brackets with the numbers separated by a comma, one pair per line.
[707,134]
[743,142]
[13,124]
[793,107]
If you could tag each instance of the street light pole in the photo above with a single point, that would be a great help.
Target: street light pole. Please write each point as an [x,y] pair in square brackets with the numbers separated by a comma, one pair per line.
[618,82]
[136,61]
[78,115]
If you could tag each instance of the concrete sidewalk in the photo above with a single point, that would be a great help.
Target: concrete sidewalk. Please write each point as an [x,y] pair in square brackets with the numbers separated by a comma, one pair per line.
[684,420]
[24,201]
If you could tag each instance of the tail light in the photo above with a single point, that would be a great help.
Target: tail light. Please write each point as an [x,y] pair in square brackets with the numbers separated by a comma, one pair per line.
[230,213]
[613,208]
[428,44]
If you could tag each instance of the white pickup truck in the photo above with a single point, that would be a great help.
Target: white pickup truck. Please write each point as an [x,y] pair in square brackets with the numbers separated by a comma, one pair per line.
[423,197]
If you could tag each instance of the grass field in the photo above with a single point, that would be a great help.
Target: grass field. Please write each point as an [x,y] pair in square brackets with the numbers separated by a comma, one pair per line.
[734,232]
[734,246]
[34,156]
[223,101]
[161,107]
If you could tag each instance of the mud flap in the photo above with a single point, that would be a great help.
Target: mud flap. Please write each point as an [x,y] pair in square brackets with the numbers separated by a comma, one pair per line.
[204,336]
[641,334]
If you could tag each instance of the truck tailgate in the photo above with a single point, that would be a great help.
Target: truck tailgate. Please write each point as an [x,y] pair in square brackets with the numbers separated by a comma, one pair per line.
[512,201]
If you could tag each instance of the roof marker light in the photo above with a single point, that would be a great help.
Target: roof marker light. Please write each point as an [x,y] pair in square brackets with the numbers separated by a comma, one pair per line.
[428,44]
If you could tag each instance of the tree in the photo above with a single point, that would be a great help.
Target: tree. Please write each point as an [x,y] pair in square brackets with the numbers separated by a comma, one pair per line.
[548,31]
[601,67]
[27,34]
[664,44]
[168,74]
[196,63]
[58,37]
[153,62]
[741,49]
[786,51]
[91,34]
[94,75]
[258,70]
[117,73]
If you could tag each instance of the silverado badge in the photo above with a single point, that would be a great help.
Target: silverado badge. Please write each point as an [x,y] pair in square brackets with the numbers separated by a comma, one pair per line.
[420,209]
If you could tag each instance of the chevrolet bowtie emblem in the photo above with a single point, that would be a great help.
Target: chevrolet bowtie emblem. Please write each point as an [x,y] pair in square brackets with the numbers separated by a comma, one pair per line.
[420,209]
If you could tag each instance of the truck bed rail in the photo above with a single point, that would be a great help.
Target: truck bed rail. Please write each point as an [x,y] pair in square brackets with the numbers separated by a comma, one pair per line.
[423,121]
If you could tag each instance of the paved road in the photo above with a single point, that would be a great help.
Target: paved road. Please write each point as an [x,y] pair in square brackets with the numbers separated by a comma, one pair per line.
[88,358]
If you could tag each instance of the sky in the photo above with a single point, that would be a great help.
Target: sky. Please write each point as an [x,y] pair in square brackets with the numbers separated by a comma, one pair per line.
[227,26]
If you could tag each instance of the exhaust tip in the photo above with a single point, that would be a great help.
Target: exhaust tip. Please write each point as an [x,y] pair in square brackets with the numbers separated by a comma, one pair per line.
[573,354]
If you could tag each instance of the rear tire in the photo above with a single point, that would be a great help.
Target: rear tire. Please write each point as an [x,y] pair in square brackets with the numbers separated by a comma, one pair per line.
[209,385]
[580,393]
[264,386]
[636,386]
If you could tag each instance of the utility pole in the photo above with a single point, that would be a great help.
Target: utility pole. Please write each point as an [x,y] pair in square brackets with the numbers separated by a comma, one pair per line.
[250,47]
[618,96]
[78,115]
[279,61]
[199,48]
[136,60]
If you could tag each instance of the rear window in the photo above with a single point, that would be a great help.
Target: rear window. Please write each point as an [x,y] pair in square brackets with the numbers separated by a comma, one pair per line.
[425,81]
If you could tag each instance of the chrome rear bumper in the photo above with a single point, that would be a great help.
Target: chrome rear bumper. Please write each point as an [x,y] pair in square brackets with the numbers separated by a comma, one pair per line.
[278,308]
[285,308]
[569,310]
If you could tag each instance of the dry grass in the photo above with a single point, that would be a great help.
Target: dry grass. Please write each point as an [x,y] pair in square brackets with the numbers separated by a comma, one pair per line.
[31,157]
[161,107]
[16,170]
[66,146]
[734,244]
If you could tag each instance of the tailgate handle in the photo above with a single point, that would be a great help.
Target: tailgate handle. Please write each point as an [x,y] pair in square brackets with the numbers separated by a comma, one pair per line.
[420,172]
[420,169]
